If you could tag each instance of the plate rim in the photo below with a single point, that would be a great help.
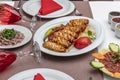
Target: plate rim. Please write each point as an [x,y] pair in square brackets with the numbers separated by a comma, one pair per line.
[40,70]
[19,44]
[71,9]
[101,37]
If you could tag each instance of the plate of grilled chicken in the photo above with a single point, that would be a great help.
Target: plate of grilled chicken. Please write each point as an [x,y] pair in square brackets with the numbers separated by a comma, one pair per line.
[69,36]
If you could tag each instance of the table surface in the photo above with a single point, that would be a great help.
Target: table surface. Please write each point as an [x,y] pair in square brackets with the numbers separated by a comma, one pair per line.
[76,66]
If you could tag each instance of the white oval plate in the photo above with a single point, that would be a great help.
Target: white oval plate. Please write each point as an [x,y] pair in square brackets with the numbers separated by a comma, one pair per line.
[39,35]
[48,74]
[27,33]
[32,7]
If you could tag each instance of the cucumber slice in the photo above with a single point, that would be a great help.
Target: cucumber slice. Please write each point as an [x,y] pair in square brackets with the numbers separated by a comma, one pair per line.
[114,47]
[96,64]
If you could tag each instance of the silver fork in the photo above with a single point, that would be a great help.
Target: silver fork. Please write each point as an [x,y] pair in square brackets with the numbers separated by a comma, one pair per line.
[77,13]
[19,5]
[24,19]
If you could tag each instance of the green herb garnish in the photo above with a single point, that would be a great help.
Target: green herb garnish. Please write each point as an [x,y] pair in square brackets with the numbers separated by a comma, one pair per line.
[9,34]
[116,57]
[91,35]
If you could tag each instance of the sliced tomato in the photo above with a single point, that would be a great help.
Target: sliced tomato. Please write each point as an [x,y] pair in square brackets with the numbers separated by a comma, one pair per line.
[82,42]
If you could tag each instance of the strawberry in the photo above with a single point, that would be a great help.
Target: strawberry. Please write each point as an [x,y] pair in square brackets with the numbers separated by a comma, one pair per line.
[82,42]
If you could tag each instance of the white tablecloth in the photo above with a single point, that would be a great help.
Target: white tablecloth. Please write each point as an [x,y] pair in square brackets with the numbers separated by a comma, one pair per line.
[100,10]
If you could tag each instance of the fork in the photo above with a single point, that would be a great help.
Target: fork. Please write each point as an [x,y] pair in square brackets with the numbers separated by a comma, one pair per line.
[18,9]
[19,5]
[77,13]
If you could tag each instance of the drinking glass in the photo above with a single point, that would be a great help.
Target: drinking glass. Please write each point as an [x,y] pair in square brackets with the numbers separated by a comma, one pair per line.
[33,22]
[35,52]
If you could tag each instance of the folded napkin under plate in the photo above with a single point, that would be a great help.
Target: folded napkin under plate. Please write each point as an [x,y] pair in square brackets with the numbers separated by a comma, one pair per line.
[49,6]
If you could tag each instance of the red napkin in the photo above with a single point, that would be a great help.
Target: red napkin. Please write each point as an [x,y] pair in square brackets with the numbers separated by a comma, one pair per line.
[48,6]
[38,76]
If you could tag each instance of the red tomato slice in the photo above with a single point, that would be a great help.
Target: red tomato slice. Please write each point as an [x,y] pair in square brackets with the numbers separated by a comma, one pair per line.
[82,42]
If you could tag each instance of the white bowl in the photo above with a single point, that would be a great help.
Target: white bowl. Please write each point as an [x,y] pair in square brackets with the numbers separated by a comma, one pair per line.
[112,14]
[113,22]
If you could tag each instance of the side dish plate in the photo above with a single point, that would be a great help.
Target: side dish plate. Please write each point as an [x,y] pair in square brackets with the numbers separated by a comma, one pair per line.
[48,74]
[27,33]
[39,36]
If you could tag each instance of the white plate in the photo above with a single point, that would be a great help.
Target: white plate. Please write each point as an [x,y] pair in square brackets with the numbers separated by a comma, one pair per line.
[48,74]
[27,33]
[32,7]
[39,35]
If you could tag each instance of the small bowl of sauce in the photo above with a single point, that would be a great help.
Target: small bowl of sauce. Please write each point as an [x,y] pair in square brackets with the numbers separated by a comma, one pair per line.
[117,20]
[114,21]
[112,14]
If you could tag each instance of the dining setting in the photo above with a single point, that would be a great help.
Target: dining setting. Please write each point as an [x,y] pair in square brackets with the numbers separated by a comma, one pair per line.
[59,40]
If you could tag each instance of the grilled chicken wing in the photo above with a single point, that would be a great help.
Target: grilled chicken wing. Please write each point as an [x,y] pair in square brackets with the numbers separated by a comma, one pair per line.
[62,39]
